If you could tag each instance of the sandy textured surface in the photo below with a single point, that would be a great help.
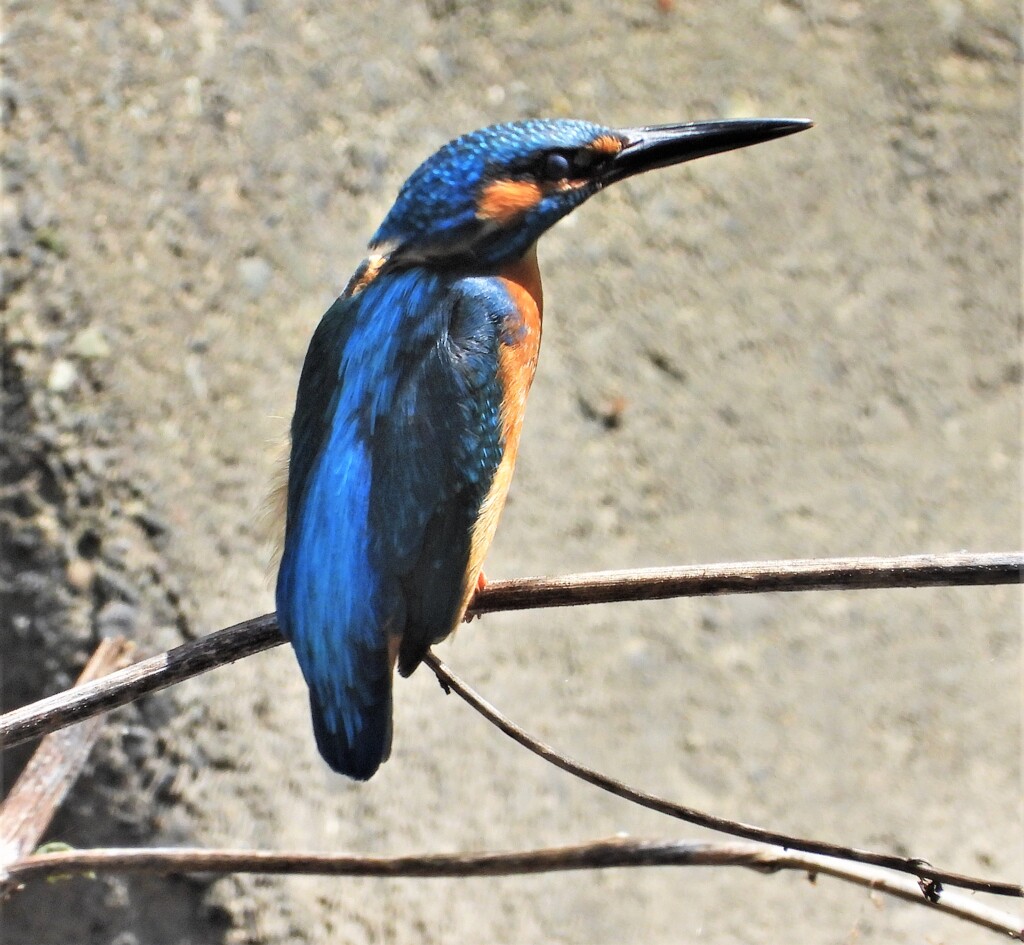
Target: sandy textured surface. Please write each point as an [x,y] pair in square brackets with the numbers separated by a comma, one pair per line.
[811,349]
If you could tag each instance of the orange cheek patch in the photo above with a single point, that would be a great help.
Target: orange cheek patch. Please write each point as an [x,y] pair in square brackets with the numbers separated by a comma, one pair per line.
[504,200]
[606,144]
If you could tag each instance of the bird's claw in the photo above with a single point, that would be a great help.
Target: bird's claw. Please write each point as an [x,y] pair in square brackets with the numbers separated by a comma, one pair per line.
[481,583]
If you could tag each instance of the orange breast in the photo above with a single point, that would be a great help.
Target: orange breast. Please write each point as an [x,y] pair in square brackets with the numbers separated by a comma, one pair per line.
[518,354]
[517,363]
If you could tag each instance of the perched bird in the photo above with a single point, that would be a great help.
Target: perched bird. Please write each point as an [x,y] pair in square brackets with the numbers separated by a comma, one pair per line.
[411,402]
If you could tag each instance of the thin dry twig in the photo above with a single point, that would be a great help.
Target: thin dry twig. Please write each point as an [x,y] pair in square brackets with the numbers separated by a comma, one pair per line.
[53,769]
[916,867]
[261,633]
[598,854]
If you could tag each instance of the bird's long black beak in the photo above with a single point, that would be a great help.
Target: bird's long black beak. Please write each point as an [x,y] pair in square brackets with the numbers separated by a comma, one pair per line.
[663,145]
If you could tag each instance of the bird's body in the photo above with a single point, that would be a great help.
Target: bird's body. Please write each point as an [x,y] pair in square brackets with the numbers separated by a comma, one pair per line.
[411,403]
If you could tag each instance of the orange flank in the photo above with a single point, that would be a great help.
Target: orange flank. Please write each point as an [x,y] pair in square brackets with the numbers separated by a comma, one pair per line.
[517,363]
[504,200]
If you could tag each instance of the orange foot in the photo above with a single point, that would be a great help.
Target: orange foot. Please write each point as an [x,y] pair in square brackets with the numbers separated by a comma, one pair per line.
[481,583]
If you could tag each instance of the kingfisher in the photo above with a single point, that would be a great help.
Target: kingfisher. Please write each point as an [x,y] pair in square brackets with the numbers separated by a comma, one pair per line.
[411,401]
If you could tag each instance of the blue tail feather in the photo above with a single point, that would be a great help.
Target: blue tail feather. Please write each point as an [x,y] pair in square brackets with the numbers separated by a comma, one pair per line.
[360,755]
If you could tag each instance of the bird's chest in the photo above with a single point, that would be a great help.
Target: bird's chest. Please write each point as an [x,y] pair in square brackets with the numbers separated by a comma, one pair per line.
[519,344]
[518,347]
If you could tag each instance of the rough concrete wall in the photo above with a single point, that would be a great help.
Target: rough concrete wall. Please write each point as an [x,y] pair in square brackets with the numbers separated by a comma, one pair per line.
[813,346]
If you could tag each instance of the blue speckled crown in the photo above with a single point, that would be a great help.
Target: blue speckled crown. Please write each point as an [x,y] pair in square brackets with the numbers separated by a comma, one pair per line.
[438,203]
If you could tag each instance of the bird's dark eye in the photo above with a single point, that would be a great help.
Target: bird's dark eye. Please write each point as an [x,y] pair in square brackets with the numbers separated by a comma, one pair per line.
[556,167]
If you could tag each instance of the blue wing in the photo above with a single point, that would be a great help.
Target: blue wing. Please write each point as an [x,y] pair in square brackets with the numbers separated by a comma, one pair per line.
[395,440]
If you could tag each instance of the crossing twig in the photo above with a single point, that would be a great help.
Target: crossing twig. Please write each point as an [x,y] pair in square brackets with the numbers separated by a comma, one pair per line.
[916,867]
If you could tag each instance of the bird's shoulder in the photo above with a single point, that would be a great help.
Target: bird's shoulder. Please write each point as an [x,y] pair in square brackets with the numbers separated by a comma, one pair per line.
[437,441]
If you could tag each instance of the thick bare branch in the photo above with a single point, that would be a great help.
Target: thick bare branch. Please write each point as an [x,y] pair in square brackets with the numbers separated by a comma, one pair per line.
[260,633]
[148,675]
[752,577]
[600,854]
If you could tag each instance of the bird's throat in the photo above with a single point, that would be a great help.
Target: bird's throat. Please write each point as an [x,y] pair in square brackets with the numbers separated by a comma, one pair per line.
[522,279]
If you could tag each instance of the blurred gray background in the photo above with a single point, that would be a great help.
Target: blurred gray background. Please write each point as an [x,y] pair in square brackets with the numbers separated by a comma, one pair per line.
[803,349]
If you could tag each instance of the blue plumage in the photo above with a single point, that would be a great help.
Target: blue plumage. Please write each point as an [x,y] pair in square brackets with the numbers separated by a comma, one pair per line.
[394,443]
[411,401]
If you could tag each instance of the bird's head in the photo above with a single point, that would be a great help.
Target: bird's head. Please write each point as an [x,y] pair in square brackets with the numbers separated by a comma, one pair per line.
[485,198]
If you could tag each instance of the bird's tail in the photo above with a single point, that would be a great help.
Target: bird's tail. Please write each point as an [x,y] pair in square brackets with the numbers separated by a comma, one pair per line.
[361,754]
